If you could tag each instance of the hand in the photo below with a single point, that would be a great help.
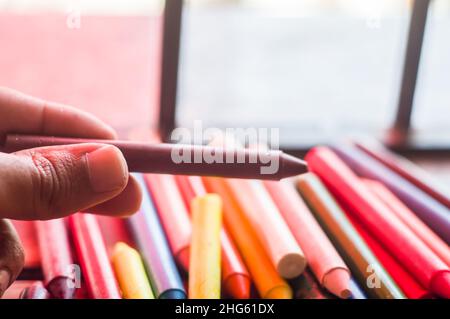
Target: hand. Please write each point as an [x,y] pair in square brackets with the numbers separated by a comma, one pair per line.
[52,182]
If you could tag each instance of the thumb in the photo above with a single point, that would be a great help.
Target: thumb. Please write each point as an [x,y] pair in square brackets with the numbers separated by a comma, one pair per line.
[52,182]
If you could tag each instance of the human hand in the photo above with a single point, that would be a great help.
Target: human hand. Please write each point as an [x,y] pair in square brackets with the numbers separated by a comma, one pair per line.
[52,182]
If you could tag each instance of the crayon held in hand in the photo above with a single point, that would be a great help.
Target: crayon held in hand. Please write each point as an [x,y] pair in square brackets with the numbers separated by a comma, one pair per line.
[181,159]
[204,269]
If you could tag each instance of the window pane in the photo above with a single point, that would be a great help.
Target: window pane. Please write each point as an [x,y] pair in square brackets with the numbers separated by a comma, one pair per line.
[313,68]
[432,100]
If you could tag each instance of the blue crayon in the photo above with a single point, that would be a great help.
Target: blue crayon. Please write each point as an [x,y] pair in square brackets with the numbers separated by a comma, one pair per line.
[152,244]
[357,293]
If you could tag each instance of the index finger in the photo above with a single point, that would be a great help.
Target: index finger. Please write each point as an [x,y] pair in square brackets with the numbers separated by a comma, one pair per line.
[21,113]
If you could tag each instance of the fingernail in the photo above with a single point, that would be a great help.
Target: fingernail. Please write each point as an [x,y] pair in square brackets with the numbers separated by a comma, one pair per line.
[5,277]
[107,169]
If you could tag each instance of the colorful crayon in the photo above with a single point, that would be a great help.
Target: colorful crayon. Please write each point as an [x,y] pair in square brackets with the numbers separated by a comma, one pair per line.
[366,268]
[204,268]
[408,170]
[267,281]
[430,271]
[433,241]
[407,283]
[432,212]
[130,273]
[306,286]
[92,256]
[173,215]
[180,159]
[357,292]
[323,259]
[235,276]
[56,258]
[35,291]
[259,208]
[152,244]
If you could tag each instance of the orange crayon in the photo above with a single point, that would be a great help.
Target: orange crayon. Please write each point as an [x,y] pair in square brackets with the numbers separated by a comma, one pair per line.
[323,259]
[264,216]
[267,281]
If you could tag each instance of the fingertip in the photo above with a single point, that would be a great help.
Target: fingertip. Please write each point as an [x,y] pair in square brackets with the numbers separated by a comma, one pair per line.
[125,204]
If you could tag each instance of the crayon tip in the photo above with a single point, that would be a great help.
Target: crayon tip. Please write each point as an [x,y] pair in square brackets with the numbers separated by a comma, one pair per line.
[293,166]
[59,288]
[238,286]
[291,265]
[440,284]
[337,281]
[279,292]
[183,258]
[173,294]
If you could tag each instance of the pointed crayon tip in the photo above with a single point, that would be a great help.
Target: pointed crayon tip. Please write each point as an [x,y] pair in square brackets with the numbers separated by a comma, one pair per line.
[238,286]
[440,284]
[337,281]
[183,258]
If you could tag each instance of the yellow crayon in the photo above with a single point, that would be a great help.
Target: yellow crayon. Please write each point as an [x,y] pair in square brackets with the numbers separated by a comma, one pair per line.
[130,273]
[204,267]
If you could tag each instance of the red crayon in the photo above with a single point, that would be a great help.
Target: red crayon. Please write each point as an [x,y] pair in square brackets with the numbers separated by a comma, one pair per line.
[173,215]
[56,258]
[92,255]
[410,219]
[235,276]
[430,271]
[408,170]
[407,283]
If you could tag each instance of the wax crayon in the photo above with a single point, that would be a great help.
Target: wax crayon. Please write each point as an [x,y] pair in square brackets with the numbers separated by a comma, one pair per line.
[92,256]
[431,211]
[267,281]
[35,291]
[306,286]
[204,269]
[152,244]
[180,159]
[407,283]
[357,292]
[418,259]
[27,233]
[323,259]
[235,276]
[433,241]
[173,215]
[365,267]
[130,273]
[264,216]
[56,258]
[408,170]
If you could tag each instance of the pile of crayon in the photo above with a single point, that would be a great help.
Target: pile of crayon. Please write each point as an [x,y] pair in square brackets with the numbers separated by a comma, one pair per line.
[362,223]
